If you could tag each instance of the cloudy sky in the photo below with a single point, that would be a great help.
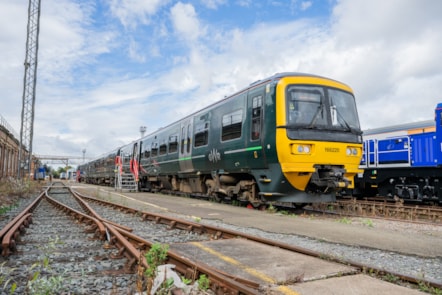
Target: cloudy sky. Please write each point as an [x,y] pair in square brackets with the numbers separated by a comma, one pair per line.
[107,67]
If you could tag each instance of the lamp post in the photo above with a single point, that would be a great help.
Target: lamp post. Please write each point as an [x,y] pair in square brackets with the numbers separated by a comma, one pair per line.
[84,152]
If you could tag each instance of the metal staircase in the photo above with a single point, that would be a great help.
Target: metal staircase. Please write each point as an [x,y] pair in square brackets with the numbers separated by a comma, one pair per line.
[124,179]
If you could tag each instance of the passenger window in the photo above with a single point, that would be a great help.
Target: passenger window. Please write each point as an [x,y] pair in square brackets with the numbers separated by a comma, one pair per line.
[201,134]
[147,152]
[163,148]
[173,143]
[154,151]
[231,125]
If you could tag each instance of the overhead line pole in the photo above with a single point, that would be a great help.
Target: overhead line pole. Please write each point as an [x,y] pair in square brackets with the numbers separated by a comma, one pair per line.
[30,81]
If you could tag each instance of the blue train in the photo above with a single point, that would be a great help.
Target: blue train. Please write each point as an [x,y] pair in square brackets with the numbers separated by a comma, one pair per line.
[403,161]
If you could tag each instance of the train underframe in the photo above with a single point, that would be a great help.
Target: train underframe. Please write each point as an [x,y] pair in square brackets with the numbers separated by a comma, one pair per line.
[217,187]
[409,184]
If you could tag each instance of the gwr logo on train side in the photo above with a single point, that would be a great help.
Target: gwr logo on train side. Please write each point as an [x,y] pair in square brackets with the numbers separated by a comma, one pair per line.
[214,156]
[332,150]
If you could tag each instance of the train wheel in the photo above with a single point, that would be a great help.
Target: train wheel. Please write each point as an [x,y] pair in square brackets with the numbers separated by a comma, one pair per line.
[257,206]
[215,197]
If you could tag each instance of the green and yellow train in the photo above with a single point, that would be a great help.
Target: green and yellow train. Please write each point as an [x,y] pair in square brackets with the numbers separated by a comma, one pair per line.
[291,138]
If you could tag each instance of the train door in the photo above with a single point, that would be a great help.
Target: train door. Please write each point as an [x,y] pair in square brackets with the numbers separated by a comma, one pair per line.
[135,161]
[255,102]
[185,151]
[371,153]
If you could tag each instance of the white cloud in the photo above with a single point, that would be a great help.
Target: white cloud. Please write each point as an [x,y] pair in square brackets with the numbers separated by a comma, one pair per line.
[390,21]
[132,12]
[185,21]
[213,4]
[134,52]
[306,5]
[91,95]
[394,48]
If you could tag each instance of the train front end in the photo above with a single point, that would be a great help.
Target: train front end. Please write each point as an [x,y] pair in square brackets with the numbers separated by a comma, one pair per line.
[318,136]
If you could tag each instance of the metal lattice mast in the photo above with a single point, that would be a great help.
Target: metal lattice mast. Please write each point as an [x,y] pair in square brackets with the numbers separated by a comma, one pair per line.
[30,81]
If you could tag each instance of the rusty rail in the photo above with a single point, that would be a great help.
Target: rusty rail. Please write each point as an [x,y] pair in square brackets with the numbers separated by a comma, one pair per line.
[130,245]
[10,233]
[214,232]
[191,269]
[395,211]
[226,233]
[95,225]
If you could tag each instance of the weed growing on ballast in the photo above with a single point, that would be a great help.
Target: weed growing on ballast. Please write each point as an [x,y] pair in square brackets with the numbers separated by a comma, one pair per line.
[39,284]
[4,281]
[154,257]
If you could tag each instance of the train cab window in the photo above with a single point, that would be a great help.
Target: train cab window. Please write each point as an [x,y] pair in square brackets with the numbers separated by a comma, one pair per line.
[163,148]
[306,106]
[231,125]
[154,151]
[256,117]
[173,143]
[201,134]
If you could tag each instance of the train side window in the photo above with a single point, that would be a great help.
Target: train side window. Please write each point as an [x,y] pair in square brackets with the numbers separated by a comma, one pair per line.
[163,148]
[173,143]
[146,153]
[201,134]
[154,151]
[231,125]
[256,117]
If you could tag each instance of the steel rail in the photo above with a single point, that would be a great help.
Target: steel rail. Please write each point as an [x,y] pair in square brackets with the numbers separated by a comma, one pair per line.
[10,232]
[191,268]
[9,244]
[95,225]
[226,233]
[124,247]
[28,209]
[129,243]
[396,211]
[215,232]
[92,212]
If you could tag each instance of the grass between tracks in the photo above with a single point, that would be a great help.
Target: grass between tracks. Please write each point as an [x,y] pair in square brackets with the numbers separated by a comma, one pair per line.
[12,190]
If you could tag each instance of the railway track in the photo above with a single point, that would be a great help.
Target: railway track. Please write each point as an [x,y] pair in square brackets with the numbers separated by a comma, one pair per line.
[381,209]
[223,234]
[53,219]
[51,252]
[194,249]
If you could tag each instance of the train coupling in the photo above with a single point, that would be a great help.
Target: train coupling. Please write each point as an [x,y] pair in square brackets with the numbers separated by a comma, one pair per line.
[329,178]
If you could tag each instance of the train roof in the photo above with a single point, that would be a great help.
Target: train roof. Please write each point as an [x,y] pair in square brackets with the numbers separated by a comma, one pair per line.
[400,127]
[275,77]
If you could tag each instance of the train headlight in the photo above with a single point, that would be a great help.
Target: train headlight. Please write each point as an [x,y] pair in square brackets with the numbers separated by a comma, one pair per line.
[302,149]
[352,151]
